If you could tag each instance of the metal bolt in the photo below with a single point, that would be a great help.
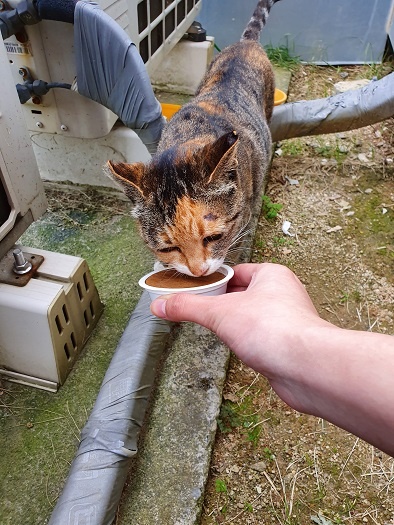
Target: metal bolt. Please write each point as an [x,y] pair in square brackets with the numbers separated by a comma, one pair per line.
[21,266]
[63,127]
[39,124]
[22,71]
[36,100]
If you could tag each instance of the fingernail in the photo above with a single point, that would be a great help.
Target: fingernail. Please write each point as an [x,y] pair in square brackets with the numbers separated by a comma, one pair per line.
[158,308]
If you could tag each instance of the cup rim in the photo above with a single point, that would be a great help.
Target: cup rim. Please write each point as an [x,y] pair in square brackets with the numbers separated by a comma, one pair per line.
[165,291]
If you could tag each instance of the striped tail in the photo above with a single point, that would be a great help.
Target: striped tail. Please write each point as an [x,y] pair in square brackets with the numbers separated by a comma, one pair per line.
[258,20]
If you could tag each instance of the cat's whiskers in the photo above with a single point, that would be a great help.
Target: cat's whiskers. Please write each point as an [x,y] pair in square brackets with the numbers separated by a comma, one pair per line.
[242,233]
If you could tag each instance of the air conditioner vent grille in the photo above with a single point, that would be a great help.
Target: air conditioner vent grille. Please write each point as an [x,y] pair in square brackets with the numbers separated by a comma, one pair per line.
[160,24]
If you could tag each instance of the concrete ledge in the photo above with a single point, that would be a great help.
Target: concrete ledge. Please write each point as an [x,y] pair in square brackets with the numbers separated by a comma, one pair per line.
[167,484]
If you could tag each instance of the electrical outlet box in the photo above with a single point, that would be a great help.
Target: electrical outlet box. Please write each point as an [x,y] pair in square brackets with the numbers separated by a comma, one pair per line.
[45,324]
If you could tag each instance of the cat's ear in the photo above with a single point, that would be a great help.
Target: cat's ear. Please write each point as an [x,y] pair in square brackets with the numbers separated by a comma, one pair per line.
[223,156]
[129,176]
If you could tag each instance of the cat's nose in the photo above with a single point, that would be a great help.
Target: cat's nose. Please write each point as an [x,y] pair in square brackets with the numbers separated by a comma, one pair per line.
[200,270]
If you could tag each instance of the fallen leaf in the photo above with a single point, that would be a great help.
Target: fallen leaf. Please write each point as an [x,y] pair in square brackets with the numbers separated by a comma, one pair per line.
[260,466]
[230,397]
[334,229]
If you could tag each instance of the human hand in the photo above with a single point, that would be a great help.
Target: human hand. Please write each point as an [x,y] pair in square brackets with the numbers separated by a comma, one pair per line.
[265,312]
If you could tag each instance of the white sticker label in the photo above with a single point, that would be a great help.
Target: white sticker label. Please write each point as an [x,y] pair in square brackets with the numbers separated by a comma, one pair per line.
[18,48]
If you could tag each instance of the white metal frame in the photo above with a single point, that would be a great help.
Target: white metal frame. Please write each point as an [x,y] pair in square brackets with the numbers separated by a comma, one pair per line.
[19,174]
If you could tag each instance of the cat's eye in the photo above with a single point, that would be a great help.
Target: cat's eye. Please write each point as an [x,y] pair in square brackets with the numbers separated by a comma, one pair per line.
[212,238]
[170,249]
[232,175]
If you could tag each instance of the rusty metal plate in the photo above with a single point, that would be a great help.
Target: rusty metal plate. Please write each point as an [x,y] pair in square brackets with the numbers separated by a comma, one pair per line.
[7,274]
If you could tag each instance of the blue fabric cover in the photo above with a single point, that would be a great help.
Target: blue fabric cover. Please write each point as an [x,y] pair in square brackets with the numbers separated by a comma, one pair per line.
[110,71]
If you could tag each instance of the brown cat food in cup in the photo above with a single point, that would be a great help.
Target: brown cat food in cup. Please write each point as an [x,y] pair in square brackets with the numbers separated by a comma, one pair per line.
[174,279]
[162,282]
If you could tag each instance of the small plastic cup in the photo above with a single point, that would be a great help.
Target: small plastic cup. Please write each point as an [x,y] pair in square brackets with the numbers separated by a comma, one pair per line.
[216,288]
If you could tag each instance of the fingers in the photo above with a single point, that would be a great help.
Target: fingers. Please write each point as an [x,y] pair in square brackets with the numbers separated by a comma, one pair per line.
[243,274]
[186,307]
[249,273]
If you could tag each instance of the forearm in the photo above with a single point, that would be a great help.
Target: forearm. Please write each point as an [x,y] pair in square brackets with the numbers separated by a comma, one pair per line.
[269,321]
[347,378]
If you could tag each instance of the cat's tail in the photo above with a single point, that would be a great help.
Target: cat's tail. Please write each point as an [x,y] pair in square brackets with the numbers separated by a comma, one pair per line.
[258,20]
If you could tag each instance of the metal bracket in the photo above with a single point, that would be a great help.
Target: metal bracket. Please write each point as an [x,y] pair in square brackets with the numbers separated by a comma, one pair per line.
[17,267]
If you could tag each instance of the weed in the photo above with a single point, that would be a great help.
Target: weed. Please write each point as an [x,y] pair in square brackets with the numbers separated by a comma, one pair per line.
[233,415]
[332,152]
[356,295]
[248,507]
[271,417]
[292,147]
[268,454]
[308,460]
[253,428]
[280,56]
[260,244]
[270,209]
[350,296]
[228,417]
[220,486]
[282,241]
[344,298]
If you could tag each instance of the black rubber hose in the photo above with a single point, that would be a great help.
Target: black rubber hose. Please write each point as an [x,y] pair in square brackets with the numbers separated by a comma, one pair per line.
[60,10]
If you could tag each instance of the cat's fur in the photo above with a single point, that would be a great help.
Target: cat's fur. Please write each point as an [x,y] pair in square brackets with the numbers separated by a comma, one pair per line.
[194,199]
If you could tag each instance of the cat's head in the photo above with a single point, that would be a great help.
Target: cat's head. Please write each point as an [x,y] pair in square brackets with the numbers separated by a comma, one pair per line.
[189,203]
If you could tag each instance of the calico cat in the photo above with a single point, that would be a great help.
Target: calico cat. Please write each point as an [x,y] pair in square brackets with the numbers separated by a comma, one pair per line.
[194,199]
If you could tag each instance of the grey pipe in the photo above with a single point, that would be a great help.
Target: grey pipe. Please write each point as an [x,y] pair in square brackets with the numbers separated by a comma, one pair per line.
[109,439]
[343,112]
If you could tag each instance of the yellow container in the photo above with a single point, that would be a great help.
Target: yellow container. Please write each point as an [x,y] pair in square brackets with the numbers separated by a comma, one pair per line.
[168,110]
[279,97]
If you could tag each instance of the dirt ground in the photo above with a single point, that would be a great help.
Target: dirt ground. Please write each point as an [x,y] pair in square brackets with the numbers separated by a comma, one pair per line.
[271,464]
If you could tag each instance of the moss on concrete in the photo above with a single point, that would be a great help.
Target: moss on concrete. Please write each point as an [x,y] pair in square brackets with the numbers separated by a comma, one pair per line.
[40,430]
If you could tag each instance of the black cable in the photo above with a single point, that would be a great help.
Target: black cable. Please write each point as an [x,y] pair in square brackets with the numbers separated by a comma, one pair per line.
[51,85]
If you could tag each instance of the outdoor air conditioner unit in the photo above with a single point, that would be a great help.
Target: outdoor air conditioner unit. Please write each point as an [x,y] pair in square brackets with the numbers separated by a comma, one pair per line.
[44,324]
[47,316]
[58,120]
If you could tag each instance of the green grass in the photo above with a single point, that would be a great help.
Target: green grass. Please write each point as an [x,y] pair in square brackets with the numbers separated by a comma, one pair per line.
[220,486]
[281,57]
[292,147]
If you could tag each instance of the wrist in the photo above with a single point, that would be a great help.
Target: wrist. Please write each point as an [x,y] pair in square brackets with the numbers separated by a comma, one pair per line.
[303,365]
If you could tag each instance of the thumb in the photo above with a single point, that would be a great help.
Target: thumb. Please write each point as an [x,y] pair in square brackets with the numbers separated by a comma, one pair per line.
[187,307]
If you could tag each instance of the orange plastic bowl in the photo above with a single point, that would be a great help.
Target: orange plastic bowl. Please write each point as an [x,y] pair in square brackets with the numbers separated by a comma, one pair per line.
[169,110]
[279,97]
